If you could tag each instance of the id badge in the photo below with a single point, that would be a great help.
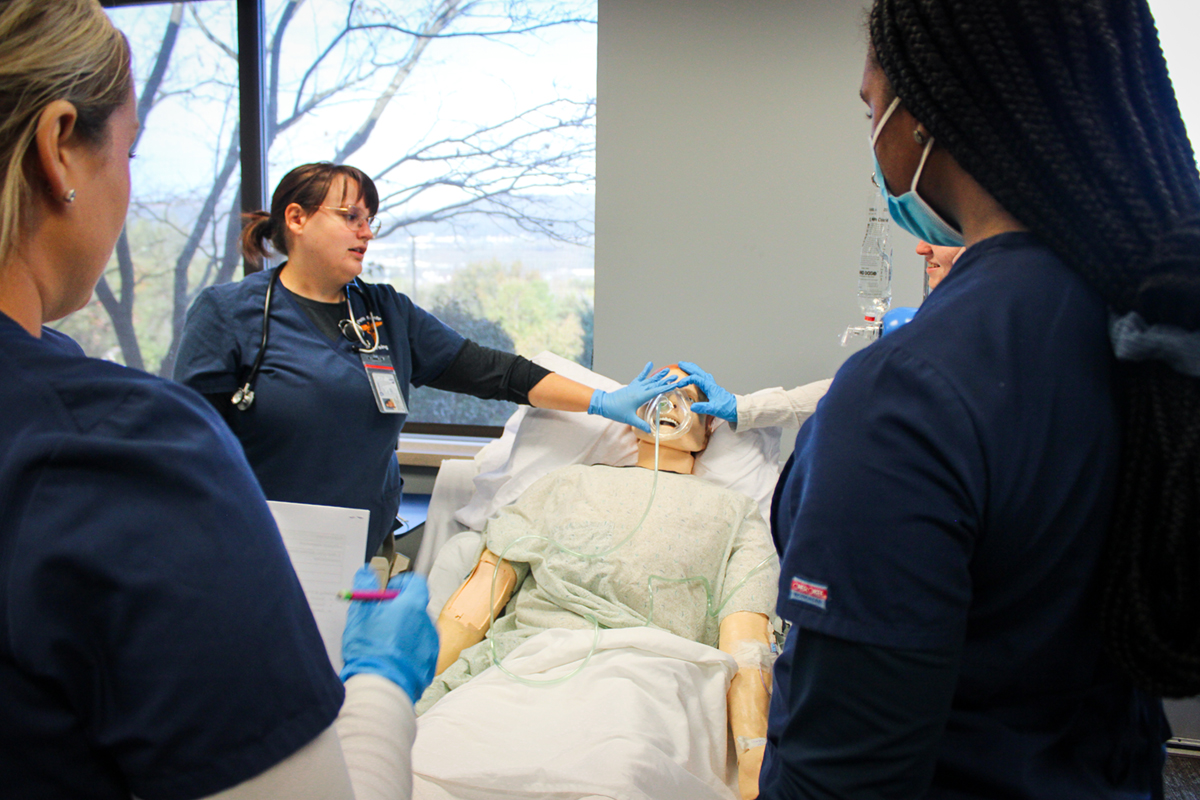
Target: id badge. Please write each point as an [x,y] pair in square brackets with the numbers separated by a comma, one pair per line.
[384,385]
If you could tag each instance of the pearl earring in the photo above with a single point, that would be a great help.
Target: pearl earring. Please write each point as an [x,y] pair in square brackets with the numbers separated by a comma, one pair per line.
[69,197]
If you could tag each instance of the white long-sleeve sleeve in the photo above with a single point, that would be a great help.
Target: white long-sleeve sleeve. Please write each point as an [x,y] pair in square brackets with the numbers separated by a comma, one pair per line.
[377,727]
[365,755]
[787,409]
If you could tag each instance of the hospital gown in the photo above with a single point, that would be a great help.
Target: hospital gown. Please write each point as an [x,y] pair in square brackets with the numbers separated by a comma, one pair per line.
[694,530]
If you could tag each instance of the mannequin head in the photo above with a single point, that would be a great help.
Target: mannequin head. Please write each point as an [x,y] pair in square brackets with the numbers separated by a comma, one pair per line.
[677,454]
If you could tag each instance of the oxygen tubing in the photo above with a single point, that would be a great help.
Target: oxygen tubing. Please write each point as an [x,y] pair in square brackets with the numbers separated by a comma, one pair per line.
[711,609]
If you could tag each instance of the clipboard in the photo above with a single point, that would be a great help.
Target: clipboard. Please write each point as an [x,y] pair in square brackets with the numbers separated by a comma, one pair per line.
[326,545]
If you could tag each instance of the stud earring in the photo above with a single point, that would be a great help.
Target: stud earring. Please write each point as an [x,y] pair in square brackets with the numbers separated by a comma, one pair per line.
[920,137]
[69,197]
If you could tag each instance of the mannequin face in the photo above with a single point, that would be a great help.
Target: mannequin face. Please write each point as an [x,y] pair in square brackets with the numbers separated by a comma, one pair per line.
[696,438]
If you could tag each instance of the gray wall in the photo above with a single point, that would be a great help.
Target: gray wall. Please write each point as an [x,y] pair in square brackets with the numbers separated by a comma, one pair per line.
[731,192]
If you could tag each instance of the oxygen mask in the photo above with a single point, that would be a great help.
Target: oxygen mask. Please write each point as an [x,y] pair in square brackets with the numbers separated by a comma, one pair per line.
[669,415]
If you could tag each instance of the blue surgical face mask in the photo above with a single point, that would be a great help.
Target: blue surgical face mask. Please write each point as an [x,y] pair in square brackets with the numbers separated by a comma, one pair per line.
[909,210]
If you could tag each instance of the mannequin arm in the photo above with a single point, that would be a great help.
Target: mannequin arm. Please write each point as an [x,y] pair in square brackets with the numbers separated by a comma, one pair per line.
[746,636]
[465,618]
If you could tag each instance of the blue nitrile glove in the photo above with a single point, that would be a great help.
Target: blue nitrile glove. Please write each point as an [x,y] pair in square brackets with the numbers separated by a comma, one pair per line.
[622,404]
[897,318]
[720,403]
[393,638]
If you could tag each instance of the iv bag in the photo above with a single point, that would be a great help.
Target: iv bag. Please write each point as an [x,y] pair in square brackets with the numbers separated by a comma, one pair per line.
[875,260]
[874,269]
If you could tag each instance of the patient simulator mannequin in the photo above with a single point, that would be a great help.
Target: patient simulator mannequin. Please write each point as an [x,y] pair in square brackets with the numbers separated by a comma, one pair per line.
[693,529]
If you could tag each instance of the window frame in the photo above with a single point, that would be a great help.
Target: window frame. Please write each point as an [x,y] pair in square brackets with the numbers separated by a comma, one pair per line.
[251,24]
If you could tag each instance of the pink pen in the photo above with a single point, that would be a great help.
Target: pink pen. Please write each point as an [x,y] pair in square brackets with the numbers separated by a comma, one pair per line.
[381,594]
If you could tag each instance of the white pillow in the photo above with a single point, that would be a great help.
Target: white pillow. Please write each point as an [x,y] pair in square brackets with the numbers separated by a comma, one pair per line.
[537,441]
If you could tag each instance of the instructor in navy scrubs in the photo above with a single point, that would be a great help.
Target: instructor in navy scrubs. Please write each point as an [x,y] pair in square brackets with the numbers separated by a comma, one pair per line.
[312,367]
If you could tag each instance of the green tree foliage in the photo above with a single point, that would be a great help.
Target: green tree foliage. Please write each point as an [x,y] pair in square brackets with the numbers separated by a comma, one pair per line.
[430,405]
[506,308]
[521,303]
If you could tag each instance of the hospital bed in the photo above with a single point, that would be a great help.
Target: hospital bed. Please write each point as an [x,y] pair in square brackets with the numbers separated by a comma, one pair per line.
[646,717]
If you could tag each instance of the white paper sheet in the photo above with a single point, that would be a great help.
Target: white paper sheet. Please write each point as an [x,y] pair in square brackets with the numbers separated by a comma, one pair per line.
[326,545]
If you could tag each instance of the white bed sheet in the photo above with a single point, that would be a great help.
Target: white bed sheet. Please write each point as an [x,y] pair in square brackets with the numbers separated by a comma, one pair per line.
[452,489]
[645,719]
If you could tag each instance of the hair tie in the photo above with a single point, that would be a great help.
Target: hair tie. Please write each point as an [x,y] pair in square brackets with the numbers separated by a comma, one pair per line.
[1134,339]
[1168,291]
[258,220]
[1164,323]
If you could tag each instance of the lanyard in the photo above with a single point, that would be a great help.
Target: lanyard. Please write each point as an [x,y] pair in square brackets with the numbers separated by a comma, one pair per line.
[243,398]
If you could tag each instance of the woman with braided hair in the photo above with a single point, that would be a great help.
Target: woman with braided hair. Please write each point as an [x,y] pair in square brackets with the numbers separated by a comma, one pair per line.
[990,535]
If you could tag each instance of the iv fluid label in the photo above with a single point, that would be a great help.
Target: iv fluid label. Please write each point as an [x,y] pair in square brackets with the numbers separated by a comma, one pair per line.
[871,263]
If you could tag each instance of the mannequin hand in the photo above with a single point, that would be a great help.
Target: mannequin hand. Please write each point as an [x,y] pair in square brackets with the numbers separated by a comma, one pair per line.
[393,638]
[721,403]
[622,404]
[749,767]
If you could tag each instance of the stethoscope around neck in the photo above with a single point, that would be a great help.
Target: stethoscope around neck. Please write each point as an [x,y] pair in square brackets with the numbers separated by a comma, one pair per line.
[243,398]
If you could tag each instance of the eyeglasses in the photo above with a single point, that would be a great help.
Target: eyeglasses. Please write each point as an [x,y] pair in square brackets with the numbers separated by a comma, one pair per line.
[355,218]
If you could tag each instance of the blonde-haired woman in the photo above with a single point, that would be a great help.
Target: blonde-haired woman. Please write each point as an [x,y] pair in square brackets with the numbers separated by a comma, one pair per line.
[154,640]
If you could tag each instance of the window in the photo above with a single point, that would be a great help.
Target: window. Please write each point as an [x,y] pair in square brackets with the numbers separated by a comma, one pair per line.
[477,122]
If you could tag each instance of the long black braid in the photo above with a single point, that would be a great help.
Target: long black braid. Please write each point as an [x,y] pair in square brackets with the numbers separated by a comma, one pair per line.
[1063,111]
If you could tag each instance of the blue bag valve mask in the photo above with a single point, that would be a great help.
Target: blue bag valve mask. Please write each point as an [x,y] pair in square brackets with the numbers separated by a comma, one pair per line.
[909,210]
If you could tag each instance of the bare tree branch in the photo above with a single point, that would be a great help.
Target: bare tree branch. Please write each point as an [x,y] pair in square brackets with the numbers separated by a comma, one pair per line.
[482,34]
[122,309]
[181,295]
[161,61]
[276,51]
[220,45]
[496,175]
[509,171]
[233,237]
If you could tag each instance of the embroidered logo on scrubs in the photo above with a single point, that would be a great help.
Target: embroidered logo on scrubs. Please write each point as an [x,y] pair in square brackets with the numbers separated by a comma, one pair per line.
[369,324]
[814,594]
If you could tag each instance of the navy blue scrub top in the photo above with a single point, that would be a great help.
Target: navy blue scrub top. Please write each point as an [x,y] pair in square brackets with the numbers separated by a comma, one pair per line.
[314,433]
[154,639]
[952,494]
